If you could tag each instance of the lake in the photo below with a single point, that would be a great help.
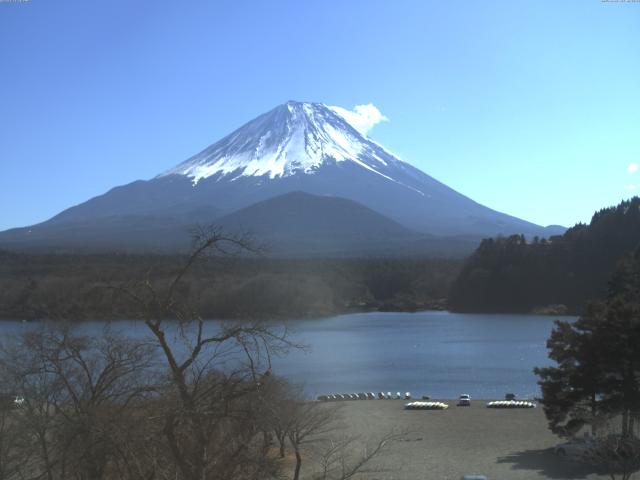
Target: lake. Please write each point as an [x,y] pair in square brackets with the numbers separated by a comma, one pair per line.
[441,354]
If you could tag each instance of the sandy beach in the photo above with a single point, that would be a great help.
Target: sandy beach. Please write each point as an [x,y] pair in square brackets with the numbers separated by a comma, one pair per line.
[444,445]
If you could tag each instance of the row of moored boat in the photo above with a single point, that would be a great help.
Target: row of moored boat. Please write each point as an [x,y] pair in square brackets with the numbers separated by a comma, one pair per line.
[337,397]
[426,406]
[417,405]
[511,404]
[444,406]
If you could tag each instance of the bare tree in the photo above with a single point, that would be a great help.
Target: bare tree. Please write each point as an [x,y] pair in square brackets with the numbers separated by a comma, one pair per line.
[316,430]
[342,459]
[12,440]
[193,400]
[214,374]
[278,396]
[77,392]
[310,423]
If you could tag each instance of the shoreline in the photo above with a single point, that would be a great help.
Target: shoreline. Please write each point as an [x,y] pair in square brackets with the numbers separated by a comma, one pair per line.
[309,317]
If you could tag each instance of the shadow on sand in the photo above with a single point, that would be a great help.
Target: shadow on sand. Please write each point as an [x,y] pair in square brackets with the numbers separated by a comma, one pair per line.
[546,463]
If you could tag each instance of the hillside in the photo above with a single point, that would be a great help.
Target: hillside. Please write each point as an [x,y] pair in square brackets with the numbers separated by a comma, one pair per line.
[299,224]
[514,275]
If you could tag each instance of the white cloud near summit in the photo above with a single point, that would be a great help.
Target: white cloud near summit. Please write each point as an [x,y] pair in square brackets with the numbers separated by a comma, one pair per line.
[363,117]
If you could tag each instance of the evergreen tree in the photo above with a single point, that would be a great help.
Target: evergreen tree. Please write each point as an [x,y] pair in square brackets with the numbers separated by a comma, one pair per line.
[572,391]
[598,360]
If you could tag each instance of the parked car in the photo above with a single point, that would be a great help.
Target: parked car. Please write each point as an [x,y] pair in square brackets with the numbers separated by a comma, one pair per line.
[474,477]
[464,400]
[574,449]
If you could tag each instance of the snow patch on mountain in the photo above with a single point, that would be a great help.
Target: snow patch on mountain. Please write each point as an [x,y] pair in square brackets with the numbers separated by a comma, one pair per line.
[293,138]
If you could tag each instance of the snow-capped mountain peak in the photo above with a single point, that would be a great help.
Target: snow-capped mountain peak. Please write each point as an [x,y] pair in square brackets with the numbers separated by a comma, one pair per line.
[292,168]
[293,138]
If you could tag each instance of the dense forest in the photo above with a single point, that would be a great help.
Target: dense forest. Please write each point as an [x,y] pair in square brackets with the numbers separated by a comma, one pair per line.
[87,286]
[554,275]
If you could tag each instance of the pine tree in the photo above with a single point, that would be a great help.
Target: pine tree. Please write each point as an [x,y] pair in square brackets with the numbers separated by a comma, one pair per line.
[572,391]
[598,360]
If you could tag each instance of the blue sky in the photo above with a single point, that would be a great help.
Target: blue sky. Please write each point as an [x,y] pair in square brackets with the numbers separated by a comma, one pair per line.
[531,108]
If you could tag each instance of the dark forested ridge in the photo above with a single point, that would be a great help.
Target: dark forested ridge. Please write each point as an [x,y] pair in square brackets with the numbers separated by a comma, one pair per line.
[81,286]
[561,273]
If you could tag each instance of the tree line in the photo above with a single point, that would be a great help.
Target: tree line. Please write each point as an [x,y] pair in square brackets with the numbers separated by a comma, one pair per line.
[79,286]
[559,274]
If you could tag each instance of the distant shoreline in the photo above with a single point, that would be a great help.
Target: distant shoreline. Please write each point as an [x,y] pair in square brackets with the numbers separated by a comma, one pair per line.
[90,287]
[289,319]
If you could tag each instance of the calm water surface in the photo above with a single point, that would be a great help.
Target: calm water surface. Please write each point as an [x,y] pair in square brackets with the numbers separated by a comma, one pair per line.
[441,354]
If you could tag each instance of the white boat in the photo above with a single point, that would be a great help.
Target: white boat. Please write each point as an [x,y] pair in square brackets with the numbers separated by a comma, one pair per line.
[511,404]
[426,406]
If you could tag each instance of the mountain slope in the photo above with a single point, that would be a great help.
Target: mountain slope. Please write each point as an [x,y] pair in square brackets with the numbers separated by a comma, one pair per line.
[305,147]
[300,224]
[305,215]
[292,225]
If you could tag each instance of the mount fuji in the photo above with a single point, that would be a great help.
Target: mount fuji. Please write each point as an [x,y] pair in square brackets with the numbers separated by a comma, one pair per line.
[307,148]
